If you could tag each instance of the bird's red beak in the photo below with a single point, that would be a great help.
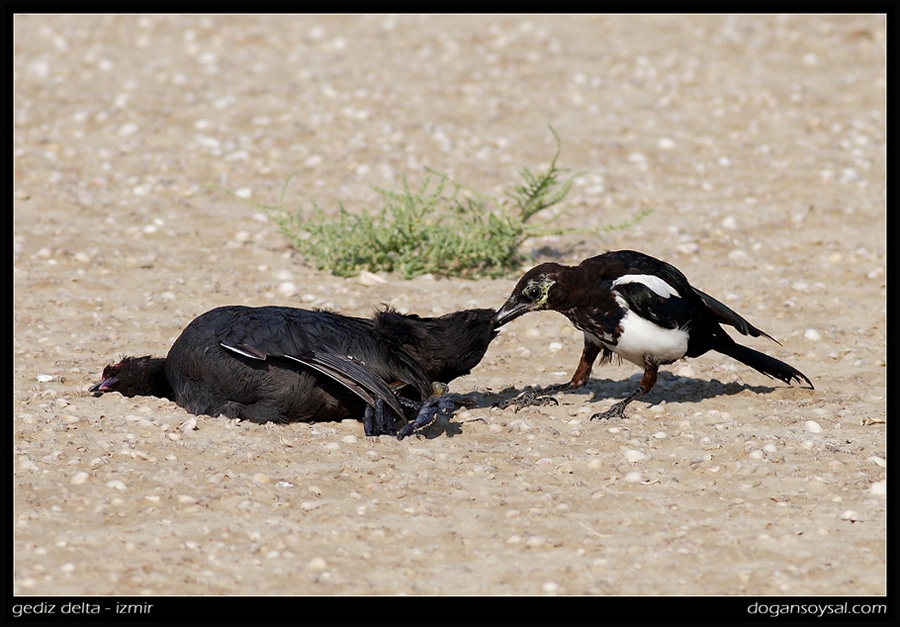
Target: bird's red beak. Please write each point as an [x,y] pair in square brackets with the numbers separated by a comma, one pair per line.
[103,386]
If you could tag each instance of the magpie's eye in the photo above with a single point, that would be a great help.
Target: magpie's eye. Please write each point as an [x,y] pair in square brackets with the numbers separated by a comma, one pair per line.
[532,293]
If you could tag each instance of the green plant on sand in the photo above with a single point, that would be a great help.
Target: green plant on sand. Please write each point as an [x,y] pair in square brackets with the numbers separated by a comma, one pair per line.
[435,228]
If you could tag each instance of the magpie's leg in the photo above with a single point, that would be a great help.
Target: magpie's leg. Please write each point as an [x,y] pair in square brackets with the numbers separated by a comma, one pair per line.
[585,365]
[647,382]
[428,413]
[530,397]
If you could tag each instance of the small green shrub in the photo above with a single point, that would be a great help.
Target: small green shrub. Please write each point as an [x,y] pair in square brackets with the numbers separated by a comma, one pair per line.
[440,228]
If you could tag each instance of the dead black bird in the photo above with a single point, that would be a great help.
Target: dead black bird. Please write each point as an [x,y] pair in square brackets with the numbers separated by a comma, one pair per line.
[640,309]
[284,364]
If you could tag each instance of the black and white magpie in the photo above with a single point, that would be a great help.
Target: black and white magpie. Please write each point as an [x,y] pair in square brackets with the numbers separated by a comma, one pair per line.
[640,309]
[284,364]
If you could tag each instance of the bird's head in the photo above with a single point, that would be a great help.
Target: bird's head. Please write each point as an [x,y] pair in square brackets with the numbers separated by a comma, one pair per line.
[110,379]
[134,376]
[538,289]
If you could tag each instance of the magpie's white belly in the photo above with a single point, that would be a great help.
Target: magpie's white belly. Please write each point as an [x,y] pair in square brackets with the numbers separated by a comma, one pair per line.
[642,340]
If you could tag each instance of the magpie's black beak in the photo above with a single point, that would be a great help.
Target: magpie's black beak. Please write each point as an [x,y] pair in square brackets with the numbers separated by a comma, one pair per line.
[511,309]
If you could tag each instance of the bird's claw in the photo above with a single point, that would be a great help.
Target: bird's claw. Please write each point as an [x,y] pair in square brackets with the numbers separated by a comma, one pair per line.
[616,411]
[529,397]
[428,413]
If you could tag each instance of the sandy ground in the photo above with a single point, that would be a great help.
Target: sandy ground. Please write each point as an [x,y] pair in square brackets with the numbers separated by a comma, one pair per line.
[757,141]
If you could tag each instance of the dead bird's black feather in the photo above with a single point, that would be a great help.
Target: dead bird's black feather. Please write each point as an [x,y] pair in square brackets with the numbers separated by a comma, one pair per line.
[284,364]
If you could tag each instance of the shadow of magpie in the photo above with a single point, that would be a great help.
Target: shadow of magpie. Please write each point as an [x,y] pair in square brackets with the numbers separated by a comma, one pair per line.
[668,387]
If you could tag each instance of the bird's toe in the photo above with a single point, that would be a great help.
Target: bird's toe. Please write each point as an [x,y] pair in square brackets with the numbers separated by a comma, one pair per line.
[428,413]
[616,411]
[529,397]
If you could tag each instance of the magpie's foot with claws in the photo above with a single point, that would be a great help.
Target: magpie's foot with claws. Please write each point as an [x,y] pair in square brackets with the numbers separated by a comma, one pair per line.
[529,397]
[616,411]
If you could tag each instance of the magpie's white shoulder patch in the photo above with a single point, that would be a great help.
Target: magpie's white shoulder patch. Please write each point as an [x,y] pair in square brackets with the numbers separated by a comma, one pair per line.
[659,287]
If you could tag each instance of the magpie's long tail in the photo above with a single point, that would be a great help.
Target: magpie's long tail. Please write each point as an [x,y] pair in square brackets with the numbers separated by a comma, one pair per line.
[761,362]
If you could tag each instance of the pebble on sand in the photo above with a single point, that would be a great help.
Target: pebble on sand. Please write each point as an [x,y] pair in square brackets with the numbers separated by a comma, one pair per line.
[634,456]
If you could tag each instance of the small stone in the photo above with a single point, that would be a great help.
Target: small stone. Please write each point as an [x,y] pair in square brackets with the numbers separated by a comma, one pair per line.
[634,456]
[730,223]
[287,289]
[812,334]
[370,279]
[666,143]
[813,427]
[79,478]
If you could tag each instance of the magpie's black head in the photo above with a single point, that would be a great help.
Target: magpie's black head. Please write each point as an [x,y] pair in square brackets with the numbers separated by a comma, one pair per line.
[539,288]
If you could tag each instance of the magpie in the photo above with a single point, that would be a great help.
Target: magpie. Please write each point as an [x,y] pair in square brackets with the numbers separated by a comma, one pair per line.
[635,307]
[283,364]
